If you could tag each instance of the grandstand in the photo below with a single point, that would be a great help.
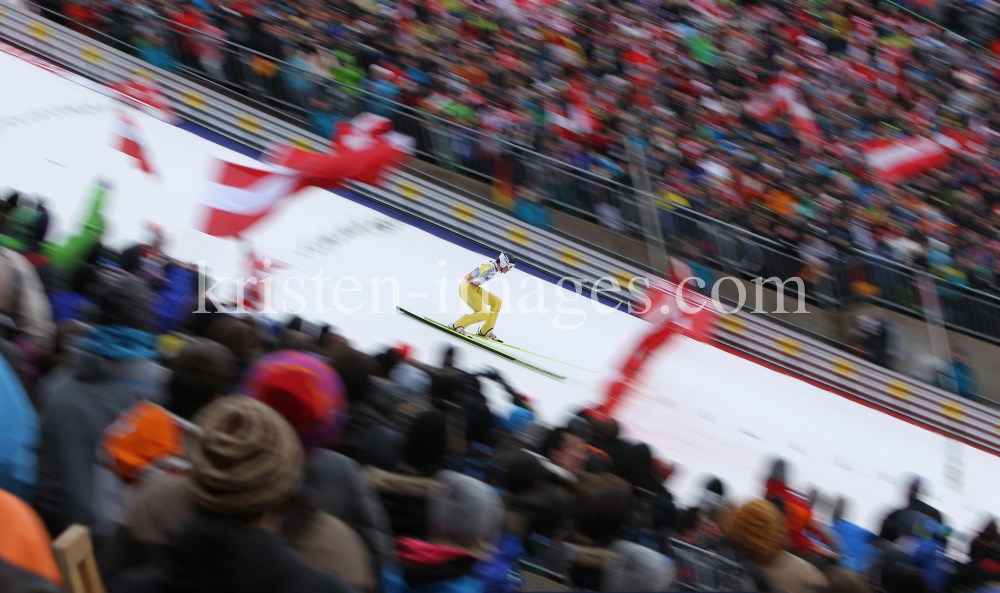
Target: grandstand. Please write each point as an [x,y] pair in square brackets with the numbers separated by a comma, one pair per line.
[391,434]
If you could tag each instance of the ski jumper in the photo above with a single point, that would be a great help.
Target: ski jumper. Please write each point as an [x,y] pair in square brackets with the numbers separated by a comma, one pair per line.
[485,305]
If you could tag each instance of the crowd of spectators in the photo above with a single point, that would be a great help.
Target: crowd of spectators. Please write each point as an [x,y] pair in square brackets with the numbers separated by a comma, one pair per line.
[577,81]
[213,452]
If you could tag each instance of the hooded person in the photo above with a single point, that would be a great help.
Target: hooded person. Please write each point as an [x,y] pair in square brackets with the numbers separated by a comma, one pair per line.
[463,516]
[311,396]
[758,530]
[247,465]
[113,369]
[914,491]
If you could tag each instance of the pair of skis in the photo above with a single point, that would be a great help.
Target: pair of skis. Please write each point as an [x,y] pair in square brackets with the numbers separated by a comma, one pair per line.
[491,346]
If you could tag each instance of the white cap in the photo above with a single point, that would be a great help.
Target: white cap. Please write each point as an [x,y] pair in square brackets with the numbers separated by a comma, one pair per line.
[503,261]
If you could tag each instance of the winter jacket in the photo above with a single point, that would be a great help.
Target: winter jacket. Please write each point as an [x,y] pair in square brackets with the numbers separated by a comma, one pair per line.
[78,400]
[498,573]
[175,299]
[215,554]
[369,437]
[890,526]
[18,436]
[337,484]
[798,519]
[855,547]
[405,500]
[164,507]
[24,543]
[22,298]
[66,256]
[69,306]
[423,567]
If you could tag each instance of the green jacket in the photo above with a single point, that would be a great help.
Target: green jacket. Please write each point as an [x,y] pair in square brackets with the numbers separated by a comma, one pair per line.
[78,246]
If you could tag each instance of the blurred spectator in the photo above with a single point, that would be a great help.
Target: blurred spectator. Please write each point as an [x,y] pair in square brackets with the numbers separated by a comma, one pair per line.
[463,517]
[405,492]
[856,544]
[113,369]
[369,437]
[25,313]
[566,453]
[804,537]
[758,530]
[19,435]
[983,565]
[310,396]
[891,524]
[147,440]
[632,567]
[246,467]
[25,548]
[528,208]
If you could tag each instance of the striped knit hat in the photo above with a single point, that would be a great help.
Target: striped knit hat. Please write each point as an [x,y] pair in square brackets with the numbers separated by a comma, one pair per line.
[303,389]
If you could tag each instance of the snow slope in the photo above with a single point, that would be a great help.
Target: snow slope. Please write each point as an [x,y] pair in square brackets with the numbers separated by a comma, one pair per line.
[707,410]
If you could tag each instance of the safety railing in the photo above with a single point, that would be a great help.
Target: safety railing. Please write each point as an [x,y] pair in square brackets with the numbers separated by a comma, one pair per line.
[909,398]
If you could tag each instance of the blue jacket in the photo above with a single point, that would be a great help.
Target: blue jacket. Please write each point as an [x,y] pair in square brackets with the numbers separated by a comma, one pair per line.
[498,573]
[176,299]
[19,436]
[68,305]
[855,545]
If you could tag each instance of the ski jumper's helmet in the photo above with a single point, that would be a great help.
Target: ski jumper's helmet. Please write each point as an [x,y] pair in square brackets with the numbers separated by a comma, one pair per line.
[504,261]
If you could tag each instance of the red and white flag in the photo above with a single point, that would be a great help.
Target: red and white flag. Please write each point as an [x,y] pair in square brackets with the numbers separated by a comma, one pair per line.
[130,142]
[243,195]
[802,118]
[574,123]
[896,160]
[240,196]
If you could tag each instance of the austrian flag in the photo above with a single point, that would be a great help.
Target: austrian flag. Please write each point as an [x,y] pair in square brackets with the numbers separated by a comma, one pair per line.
[240,196]
[129,142]
[243,195]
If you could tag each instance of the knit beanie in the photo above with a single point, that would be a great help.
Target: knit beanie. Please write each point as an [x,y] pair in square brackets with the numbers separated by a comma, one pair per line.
[248,459]
[632,567]
[463,511]
[428,440]
[305,391]
[758,529]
